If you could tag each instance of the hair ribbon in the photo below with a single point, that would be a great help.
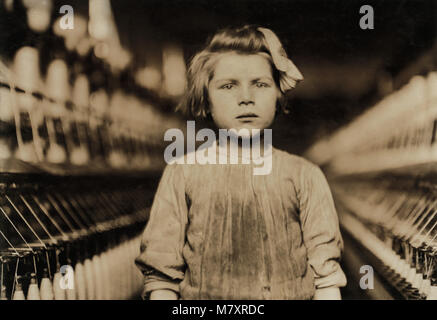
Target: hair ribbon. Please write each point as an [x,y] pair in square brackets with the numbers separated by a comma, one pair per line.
[290,74]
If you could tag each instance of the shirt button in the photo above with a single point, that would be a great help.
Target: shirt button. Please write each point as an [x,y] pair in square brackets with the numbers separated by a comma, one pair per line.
[266,292]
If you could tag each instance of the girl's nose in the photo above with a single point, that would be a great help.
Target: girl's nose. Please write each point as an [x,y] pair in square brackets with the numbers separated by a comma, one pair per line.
[245,96]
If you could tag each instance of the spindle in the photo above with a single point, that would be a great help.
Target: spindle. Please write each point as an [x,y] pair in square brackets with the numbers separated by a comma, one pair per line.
[33,290]
[46,288]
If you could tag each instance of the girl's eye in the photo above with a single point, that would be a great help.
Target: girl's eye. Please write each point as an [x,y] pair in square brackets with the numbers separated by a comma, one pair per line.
[261,85]
[227,86]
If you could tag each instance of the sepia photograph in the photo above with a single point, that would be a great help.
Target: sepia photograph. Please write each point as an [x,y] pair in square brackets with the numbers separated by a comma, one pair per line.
[245,150]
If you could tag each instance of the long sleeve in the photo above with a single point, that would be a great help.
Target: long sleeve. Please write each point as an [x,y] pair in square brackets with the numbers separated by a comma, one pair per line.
[161,259]
[320,228]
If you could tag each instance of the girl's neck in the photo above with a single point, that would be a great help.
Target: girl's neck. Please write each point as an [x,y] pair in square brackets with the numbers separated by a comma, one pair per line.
[244,145]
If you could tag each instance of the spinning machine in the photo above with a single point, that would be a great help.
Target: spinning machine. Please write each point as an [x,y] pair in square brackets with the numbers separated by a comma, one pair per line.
[81,153]
[382,171]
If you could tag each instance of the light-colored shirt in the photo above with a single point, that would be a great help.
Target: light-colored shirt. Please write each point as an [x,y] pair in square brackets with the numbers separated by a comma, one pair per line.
[217,231]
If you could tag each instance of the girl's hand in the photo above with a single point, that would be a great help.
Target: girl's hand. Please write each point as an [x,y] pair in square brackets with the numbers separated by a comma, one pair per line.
[163,295]
[327,294]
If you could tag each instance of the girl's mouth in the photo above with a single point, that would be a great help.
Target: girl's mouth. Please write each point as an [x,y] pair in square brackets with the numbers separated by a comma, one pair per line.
[247,116]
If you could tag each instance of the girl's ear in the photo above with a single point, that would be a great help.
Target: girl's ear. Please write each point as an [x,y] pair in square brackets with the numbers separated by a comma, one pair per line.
[208,115]
[282,103]
[279,93]
[280,96]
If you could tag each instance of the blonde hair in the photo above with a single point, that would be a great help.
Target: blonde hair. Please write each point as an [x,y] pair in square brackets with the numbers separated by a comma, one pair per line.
[244,40]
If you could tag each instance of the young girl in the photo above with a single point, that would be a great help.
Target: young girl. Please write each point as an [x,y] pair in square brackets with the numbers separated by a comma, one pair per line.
[217,231]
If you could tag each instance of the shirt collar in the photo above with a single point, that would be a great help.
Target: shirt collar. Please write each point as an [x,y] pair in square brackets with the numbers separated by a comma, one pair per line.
[243,153]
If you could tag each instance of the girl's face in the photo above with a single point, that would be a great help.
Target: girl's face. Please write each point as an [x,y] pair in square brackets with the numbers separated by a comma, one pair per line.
[242,92]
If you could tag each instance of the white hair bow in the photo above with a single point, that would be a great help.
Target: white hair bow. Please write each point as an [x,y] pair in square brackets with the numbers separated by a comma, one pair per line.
[290,74]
